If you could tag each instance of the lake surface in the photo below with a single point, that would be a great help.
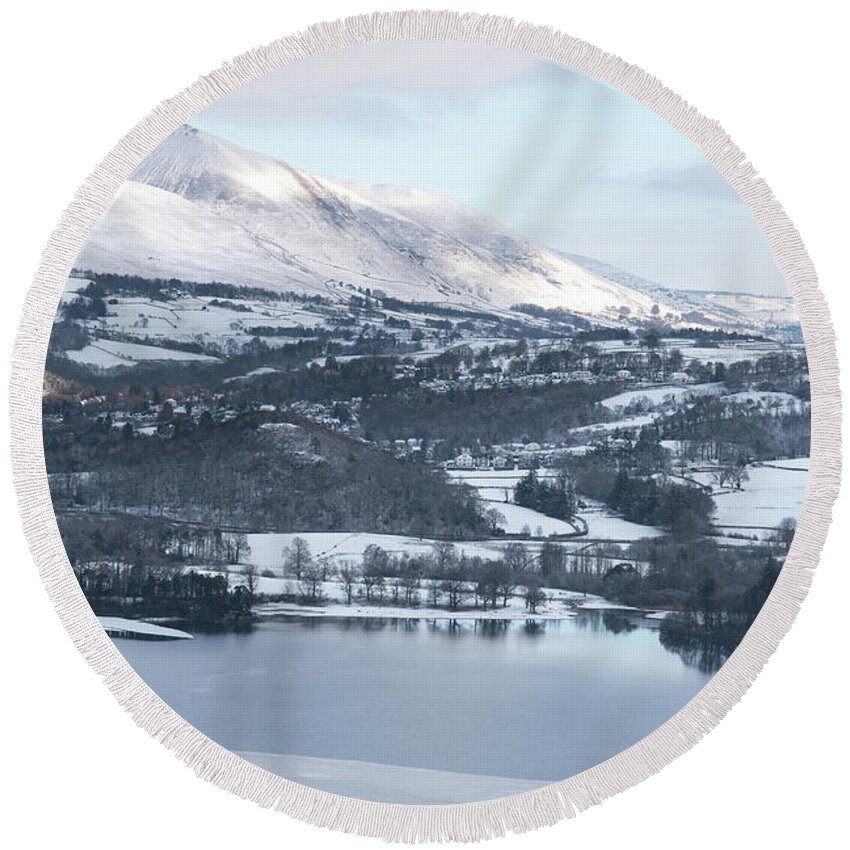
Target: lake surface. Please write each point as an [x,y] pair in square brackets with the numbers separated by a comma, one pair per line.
[424,711]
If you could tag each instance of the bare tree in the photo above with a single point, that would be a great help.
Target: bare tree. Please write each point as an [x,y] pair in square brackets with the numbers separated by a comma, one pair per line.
[495,520]
[241,548]
[434,593]
[348,576]
[784,533]
[455,588]
[372,582]
[297,557]
[516,557]
[505,583]
[534,597]
[739,475]
[411,578]
[249,571]
[376,562]
[488,589]
[445,556]
[720,474]
[326,567]
[310,583]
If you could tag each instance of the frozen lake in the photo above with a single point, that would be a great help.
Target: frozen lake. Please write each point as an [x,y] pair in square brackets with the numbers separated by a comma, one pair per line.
[424,712]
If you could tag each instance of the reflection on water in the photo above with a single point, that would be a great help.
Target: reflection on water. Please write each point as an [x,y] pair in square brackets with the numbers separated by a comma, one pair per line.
[534,628]
[705,654]
[614,621]
[704,650]
[534,701]
[438,625]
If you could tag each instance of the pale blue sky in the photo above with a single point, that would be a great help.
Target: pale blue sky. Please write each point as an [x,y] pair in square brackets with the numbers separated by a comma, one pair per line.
[564,160]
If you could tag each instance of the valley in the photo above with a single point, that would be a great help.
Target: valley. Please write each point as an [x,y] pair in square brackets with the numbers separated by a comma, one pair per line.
[425,423]
[269,392]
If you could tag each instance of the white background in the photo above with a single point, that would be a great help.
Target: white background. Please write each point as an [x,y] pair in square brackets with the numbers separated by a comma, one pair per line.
[77,76]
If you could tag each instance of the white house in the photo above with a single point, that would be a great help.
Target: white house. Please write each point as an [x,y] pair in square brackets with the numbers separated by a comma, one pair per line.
[464,461]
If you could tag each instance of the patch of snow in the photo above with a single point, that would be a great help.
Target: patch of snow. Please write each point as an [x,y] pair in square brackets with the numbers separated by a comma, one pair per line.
[495,485]
[343,546]
[106,354]
[774,492]
[655,396]
[517,518]
[597,603]
[629,423]
[603,525]
[515,610]
[117,625]
[390,783]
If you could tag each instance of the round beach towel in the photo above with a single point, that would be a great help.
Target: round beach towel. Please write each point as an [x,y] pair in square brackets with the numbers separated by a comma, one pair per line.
[421,423]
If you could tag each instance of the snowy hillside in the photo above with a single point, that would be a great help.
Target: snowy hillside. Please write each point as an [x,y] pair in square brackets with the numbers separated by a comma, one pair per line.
[730,310]
[202,209]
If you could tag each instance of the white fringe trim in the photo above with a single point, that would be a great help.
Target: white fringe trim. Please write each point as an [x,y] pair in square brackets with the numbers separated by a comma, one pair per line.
[474,821]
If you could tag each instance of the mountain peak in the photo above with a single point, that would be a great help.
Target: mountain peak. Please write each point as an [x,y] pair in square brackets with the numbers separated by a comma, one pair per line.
[203,167]
[203,209]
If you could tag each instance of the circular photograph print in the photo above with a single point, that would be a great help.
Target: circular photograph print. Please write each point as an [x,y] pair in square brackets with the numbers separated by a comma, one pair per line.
[426,422]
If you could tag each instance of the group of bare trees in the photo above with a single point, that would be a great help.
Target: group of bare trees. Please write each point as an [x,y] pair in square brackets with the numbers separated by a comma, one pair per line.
[733,474]
[442,577]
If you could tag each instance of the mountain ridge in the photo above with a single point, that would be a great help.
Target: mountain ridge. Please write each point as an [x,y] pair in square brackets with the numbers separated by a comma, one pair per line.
[201,208]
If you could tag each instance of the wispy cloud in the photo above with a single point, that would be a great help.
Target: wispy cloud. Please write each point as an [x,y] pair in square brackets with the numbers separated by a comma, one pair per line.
[327,86]
[700,179]
[567,161]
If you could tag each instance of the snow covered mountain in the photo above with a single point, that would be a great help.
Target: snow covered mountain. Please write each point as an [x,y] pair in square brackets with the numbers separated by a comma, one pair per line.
[733,310]
[200,209]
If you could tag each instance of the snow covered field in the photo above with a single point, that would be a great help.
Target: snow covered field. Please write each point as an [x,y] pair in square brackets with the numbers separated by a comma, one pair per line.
[106,354]
[515,610]
[558,605]
[768,400]
[774,492]
[518,518]
[603,525]
[189,318]
[349,546]
[494,486]
[656,396]
[389,782]
[492,483]
[628,423]
[734,352]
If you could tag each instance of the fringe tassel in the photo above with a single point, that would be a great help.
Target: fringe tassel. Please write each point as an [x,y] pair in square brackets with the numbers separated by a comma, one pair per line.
[400,823]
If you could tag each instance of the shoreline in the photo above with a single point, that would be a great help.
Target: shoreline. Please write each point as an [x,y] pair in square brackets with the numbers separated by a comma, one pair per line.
[268,610]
